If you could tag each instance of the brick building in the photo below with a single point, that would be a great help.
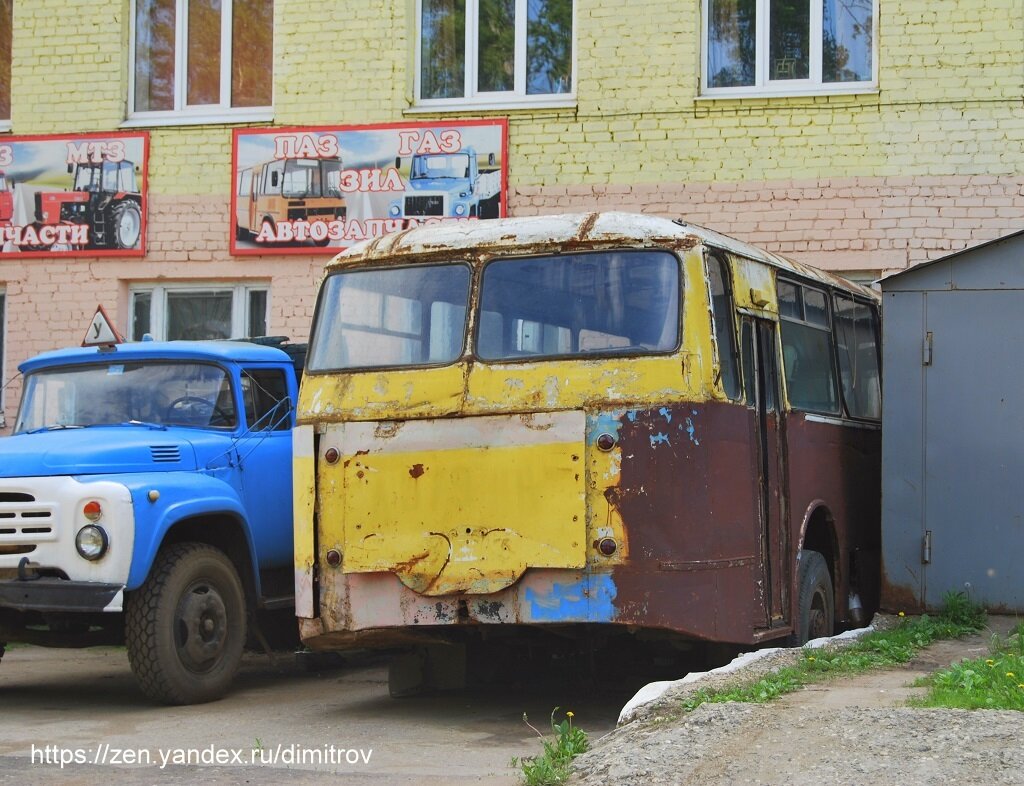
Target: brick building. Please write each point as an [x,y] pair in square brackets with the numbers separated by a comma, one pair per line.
[859,135]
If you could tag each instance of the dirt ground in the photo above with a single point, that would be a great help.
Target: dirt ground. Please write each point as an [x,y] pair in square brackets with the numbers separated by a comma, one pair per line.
[855,731]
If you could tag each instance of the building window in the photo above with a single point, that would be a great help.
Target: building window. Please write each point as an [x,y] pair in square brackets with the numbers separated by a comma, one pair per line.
[194,312]
[6,22]
[788,46]
[495,52]
[202,58]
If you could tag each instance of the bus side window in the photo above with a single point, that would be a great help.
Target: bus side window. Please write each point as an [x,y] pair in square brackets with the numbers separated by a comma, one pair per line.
[749,383]
[807,348]
[724,324]
[856,329]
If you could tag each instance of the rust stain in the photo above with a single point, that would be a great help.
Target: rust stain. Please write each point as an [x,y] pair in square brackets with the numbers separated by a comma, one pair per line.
[416,470]
[386,429]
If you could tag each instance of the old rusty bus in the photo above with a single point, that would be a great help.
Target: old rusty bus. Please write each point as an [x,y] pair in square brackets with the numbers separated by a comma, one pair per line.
[602,422]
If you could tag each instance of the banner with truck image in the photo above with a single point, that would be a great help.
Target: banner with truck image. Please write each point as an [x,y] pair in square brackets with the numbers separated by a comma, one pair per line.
[80,195]
[304,190]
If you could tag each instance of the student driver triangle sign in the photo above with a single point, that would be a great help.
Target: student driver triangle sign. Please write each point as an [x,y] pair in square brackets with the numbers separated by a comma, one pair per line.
[101,332]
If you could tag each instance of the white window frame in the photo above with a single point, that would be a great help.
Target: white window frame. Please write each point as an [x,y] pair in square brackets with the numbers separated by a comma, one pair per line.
[515,98]
[763,85]
[158,304]
[183,114]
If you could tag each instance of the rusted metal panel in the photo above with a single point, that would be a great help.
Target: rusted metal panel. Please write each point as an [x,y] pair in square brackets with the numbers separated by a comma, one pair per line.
[466,504]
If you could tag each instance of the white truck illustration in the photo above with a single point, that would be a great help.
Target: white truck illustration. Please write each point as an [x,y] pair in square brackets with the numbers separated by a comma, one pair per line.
[449,185]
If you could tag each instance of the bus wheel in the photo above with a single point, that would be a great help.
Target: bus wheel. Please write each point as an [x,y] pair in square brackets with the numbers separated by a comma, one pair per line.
[186,626]
[3,646]
[816,604]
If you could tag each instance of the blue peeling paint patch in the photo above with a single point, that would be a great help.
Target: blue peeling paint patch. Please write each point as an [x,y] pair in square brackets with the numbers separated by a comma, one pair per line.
[664,412]
[568,603]
[605,423]
[660,439]
[692,431]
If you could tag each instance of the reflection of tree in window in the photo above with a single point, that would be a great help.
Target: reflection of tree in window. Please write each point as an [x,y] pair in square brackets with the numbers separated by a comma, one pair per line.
[154,54]
[731,45]
[847,31]
[548,47]
[443,55]
[6,18]
[252,48]
[497,45]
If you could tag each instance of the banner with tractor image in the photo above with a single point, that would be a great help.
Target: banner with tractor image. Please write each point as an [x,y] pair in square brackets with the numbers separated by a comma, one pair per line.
[320,189]
[80,195]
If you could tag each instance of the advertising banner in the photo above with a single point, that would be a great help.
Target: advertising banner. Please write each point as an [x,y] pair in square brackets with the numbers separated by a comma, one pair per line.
[304,190]
[81,195]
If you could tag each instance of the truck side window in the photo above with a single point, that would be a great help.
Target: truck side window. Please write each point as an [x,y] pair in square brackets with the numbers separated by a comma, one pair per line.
[267,406]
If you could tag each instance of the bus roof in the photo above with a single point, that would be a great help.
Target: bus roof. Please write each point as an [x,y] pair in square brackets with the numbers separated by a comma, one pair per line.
[562,233]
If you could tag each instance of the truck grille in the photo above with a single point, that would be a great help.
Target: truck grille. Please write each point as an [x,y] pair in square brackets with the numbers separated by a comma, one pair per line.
[424,206]
[24,522]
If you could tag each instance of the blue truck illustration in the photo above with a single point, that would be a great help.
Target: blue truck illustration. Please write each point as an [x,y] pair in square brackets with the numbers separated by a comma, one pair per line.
[145,497]
[449,185]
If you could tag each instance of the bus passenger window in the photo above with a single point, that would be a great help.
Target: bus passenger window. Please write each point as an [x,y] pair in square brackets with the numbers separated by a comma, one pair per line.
[725,328]
[857,347]
[807,349]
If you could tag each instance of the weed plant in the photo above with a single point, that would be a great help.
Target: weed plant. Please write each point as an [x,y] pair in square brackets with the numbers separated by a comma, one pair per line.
[551,767]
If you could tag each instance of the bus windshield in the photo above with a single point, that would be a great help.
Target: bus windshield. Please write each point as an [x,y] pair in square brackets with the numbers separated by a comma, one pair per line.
[579,304]
[311,178]
[391,317]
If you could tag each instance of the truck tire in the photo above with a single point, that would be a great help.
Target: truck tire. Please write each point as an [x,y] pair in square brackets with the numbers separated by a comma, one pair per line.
[126,223]
[186,625]
[815,600]
[3,648]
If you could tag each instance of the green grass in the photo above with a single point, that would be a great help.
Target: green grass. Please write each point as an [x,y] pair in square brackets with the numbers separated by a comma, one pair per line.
[878,649]
[551,767]
[994,683]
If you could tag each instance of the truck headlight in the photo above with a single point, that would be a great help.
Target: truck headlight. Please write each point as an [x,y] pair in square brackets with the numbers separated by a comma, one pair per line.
[460,209]
[395,209]
[91,542]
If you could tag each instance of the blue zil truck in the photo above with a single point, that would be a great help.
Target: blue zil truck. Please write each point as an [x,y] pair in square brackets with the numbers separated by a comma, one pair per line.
[145,498]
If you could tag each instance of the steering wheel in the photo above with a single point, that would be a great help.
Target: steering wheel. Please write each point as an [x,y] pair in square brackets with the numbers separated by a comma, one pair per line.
[196,410]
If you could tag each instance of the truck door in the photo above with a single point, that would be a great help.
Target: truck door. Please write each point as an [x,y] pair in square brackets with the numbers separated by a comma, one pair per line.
[265,451]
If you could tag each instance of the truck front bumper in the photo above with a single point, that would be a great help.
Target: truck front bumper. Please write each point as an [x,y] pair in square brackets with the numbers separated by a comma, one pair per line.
[51,595]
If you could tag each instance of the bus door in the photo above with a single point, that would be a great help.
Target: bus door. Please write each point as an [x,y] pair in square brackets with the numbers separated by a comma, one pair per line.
[761,390]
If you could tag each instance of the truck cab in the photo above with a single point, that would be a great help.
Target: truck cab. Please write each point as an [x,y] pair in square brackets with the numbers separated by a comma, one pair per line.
[448,185]
[145,497]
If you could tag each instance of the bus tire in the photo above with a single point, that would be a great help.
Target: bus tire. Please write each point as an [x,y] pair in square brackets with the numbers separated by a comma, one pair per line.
[816,604]
[186,626]
[3,649]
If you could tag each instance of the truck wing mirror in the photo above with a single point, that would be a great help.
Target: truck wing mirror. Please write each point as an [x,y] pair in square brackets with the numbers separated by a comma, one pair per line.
[71,169]
[490,159]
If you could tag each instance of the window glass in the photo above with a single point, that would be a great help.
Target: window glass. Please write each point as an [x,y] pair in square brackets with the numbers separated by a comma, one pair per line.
[857,348]
[252,47]
[781,58]
[496,46]
[807,354]
[6,22]
[725,328]
[391,317]
[846,40]
[790,39]
[749,379]
[198,315]
[204,22]
[442,49]
[248,54]
[257,313]
[549,47]
[506,55]
[142,309]
[731,42]
[790,304]
[583,304]
[182,394]
[265,395]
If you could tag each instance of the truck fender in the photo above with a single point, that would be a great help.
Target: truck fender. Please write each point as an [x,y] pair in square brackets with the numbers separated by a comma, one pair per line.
[177,507]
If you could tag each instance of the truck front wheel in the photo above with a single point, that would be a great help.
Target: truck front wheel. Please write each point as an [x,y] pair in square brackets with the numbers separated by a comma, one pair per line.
[185,627]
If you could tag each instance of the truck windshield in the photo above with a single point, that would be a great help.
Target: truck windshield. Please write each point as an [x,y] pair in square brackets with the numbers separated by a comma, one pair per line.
[453,165]
[391,317]
[156,393]
[579,304]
